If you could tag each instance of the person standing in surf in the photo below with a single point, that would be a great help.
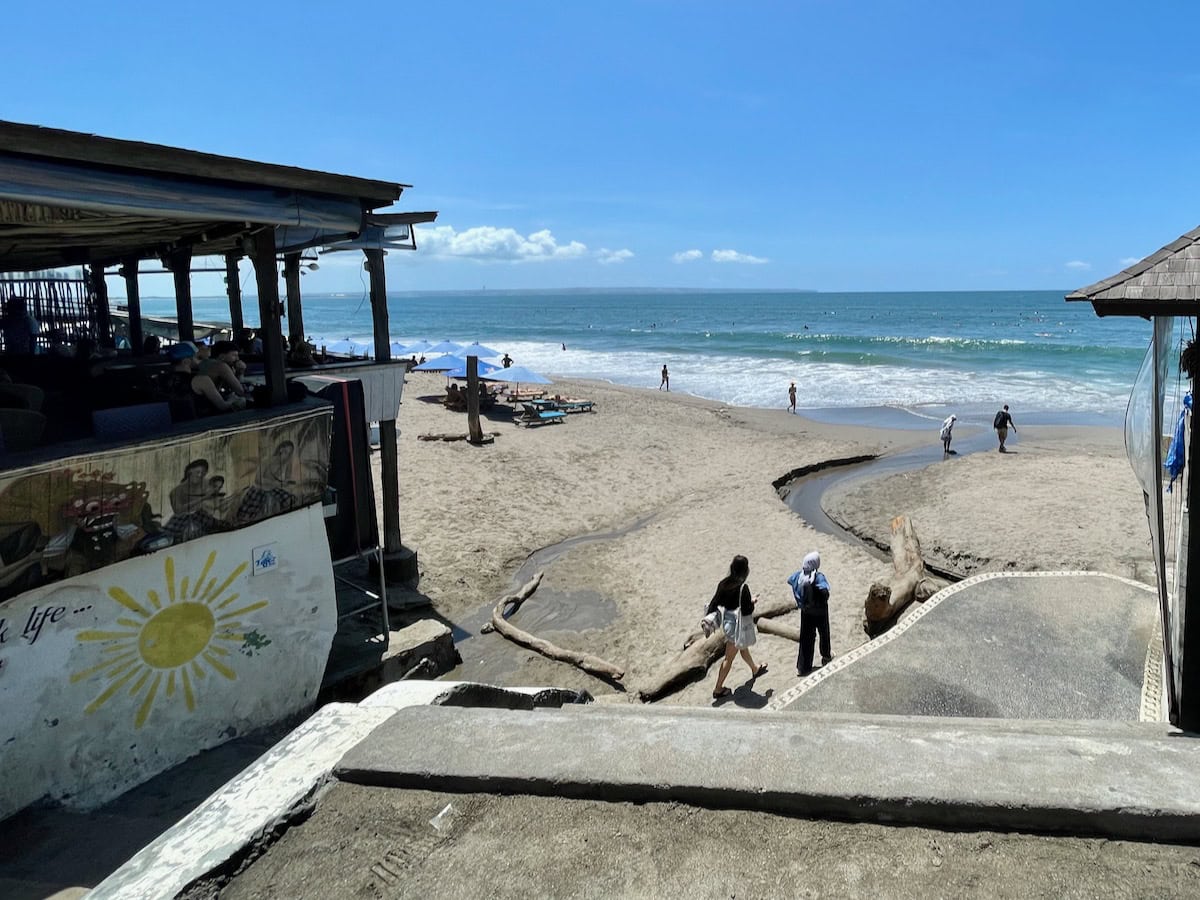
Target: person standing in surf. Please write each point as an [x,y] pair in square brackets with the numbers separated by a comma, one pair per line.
[1002,423]
[792,398]
[947,433]
[666,379]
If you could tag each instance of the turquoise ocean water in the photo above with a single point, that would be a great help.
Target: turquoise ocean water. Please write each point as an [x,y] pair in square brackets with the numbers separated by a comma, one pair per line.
[922,354]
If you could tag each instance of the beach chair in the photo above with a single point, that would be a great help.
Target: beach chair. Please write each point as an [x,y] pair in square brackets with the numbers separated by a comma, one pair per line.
[531,415]
[574,406]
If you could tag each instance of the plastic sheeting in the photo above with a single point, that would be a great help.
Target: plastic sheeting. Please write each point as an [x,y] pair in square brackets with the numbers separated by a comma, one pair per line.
[98,190]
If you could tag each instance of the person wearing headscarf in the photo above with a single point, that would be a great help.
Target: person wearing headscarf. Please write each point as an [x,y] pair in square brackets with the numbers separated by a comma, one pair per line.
[810,589]
[947,430]
[735,605]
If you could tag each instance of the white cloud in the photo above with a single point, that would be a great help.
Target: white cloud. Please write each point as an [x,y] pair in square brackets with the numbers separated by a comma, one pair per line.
[607,256]
[1128,261]
[732,256]
[687,256]
[490,244]
[1078,265]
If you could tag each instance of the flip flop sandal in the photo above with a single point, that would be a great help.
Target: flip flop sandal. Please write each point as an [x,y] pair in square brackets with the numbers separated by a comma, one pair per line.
[760,671]
[723,692]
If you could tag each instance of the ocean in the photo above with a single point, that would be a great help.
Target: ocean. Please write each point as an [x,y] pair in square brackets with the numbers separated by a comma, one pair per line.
[917,355]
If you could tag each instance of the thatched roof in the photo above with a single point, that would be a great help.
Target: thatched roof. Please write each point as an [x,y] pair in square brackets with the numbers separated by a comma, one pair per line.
[1165,283]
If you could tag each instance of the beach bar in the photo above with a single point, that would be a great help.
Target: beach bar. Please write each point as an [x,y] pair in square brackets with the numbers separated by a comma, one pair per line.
[1164,287]
[167,585]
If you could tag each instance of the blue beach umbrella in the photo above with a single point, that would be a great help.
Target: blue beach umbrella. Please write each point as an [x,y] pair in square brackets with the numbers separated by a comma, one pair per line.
[478,349]
[442,364]
[399,349]
[445,347]
[345,347]
[418,347]
[518,375]
[461,372]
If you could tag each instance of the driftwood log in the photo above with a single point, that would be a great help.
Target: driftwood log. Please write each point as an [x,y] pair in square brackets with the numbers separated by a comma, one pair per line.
[908,581]
[485,438]
[699,652]
[593,665]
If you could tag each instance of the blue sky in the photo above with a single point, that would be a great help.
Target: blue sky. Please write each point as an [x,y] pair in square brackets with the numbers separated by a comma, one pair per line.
[818,145]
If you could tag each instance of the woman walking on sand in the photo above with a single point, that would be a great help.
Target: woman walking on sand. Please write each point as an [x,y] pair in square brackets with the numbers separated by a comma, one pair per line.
[736,607]
[666,379]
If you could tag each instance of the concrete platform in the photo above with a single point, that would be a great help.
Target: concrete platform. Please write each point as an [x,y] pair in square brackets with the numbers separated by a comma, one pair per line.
[1133,780]
[1040,645]
[1114,779]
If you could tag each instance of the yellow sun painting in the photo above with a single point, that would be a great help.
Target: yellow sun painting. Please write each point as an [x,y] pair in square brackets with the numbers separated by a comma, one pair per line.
[173,640]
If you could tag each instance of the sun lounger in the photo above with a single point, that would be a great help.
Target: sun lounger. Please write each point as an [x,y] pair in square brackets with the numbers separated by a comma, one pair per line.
[531,415]
[572,406]
[567,406]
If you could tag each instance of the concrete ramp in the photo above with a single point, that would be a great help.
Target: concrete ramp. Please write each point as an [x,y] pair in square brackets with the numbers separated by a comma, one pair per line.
[1052,645]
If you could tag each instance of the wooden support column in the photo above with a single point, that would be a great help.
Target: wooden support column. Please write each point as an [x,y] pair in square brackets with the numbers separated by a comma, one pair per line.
[180,263]
[295,317]
[233,290]
[400,563]
[103,319]
[1188,662]
[263,257]
[133,302]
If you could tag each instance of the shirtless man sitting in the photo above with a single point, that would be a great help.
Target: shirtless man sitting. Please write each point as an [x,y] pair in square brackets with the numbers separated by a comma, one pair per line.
[224,366]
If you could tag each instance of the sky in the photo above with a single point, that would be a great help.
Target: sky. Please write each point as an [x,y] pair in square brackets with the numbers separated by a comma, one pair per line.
[811,144]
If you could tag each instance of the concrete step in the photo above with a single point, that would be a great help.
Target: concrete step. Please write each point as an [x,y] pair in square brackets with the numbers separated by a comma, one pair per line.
[1129,780]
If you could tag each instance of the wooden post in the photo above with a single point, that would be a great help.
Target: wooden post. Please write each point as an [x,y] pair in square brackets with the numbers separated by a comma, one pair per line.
[400,563]
[133,302]
[103,320]
[180,263]
[1188,661]
[233,290]
[291,278]
[263,257]
[474,431]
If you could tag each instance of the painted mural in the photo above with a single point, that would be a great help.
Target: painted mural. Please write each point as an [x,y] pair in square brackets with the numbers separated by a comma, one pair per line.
[83,513]
[111,676]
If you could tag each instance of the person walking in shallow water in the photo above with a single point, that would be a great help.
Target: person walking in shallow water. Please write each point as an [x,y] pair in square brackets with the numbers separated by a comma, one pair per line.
[792,398]
[736,607]
[948,433]
[1002,423]
[666,379]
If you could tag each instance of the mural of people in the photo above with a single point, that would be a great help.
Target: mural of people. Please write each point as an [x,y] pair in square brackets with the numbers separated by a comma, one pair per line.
[273,489]
[95,509]
[192,504]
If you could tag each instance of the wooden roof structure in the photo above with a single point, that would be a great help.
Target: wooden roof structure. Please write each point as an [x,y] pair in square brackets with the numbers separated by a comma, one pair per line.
[1165,283]
[68,198]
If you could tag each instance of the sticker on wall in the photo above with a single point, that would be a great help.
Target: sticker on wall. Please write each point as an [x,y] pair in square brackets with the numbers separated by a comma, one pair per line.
[265,559]
[178,639]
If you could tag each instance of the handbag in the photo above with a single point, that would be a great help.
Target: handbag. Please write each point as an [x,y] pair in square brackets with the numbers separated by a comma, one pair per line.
[747,633]
[711,623]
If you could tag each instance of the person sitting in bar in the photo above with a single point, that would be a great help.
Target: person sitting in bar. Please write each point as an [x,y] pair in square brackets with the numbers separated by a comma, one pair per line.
[223,365]
[151,345]
[190,394]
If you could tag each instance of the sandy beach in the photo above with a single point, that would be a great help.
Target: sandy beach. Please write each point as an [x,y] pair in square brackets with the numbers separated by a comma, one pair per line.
[654,492]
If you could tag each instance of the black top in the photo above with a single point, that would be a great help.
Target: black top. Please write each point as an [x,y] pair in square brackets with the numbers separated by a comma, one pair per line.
[727,596]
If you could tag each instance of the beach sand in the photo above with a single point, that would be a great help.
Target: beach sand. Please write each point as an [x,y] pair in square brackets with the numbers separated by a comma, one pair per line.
[655,492]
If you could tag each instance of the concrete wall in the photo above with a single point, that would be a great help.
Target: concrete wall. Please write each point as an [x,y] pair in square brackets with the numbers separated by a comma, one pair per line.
[115,675]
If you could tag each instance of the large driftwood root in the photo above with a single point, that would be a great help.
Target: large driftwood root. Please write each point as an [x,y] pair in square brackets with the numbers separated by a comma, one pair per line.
[909,581]
[593,665]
